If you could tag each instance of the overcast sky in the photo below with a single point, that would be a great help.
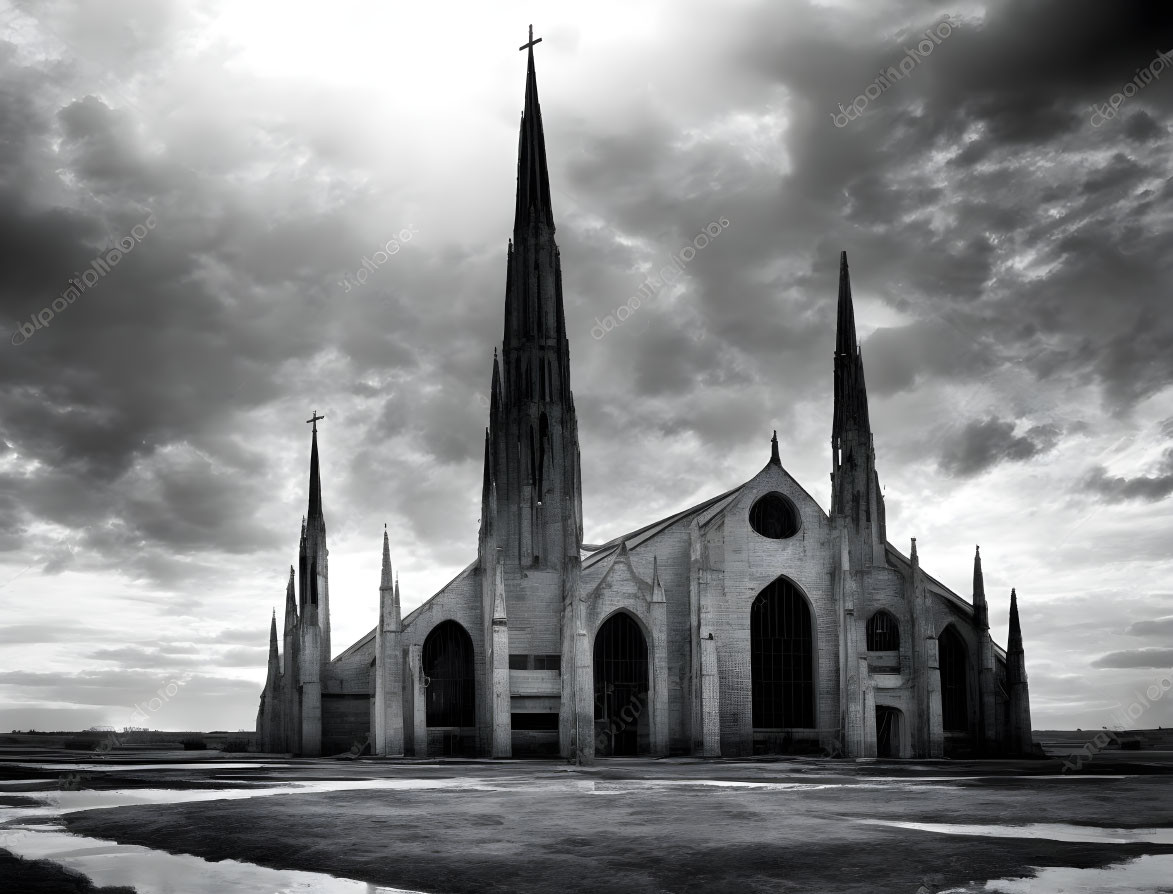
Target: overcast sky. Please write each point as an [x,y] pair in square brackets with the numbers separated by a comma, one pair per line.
[1011,260]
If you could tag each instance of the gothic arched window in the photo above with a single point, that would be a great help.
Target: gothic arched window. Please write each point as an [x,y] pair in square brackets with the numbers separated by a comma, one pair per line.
[883,632]
[782,662]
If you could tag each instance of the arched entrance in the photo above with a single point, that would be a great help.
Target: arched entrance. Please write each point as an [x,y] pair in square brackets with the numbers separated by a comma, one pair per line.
[782,665]
[451,688]
[888,731]
[622,720]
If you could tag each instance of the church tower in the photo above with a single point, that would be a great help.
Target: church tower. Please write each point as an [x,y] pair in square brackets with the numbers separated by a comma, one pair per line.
[857,515]
[531,520]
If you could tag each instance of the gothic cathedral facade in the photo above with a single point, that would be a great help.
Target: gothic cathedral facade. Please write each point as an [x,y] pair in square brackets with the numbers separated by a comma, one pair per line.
[754,622]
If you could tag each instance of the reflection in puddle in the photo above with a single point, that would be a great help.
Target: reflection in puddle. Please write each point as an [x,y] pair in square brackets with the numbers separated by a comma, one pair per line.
[153,872]
[1144,875]
[1048,831]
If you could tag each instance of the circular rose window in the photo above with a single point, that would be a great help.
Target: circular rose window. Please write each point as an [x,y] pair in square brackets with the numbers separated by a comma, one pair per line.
[774,516]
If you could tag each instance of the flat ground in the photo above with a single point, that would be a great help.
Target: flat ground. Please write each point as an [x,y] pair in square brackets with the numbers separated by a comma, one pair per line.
[792,825]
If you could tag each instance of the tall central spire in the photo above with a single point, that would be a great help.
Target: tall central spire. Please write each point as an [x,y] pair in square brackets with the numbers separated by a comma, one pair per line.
[315,508]
[533,177]
[851,399]
[855,487]
[531,509]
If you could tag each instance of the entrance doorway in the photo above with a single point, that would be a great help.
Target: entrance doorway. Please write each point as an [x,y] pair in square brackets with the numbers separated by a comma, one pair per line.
[888,731]
[621,688]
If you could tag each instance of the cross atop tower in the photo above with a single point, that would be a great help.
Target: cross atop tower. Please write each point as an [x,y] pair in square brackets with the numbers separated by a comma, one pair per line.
[532,42]
[314,420]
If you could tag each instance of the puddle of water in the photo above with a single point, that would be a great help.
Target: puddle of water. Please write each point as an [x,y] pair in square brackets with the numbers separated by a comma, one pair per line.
[1048,831]
[156,872]
[57,802]
[210,764]
[1149,874]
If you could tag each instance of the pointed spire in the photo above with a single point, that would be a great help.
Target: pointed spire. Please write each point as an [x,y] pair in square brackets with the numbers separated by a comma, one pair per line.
[385,581]
[290,602]
[981,615]
[774,458]
[533,178]
[315,507]
[273,635]
[1014,640]
[851,402]
[495,395]
[845,342]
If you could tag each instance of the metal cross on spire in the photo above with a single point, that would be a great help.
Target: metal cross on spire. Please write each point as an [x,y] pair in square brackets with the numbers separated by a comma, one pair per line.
[314,420]
[532,42]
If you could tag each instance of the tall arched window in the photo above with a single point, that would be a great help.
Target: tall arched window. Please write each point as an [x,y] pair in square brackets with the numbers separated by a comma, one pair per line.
[954,680]
[782,658]
[883,632]
[451,683]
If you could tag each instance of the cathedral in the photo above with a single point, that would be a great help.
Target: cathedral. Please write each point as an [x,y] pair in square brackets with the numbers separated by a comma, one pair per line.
[755,622]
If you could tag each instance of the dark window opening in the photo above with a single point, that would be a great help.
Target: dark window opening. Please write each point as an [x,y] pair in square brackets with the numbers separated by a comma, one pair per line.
[548,662]
[954,681]
[451,685]
[533,721]
[782,658]
[774,516]
[518,662]
[883,633]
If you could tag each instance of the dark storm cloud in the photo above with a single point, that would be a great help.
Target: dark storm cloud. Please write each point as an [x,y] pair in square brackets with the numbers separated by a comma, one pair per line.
[1156,658]
[1155,627]
[1117,489]
[981,445]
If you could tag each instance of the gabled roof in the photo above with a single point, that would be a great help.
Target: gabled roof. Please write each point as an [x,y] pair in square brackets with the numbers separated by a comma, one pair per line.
[641,535]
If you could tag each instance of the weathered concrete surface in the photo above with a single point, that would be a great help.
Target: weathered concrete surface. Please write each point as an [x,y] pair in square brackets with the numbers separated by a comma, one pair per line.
[644,826]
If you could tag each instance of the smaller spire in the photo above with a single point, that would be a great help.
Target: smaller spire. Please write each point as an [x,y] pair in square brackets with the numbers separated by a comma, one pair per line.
[981,614]
[290,603]
[385,581]
[774,449]
[495,389]
[273,634]
[1014,640]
